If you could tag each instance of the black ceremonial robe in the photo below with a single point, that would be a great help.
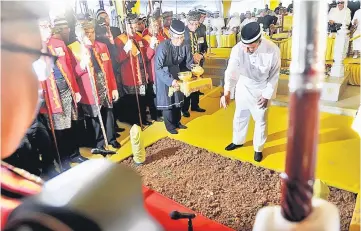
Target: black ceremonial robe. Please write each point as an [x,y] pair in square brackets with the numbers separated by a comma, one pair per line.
[167,60]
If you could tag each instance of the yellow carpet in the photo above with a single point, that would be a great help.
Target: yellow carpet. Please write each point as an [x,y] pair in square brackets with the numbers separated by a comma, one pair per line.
[338,162]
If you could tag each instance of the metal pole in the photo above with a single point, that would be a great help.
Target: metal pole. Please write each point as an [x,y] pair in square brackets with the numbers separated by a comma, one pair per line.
[306,72]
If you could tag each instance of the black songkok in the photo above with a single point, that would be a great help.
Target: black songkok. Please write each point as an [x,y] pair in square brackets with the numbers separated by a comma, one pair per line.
[131,19]
[177,27]
[201,11]
[193,16]
[167,14]
[99,12]
[250,33]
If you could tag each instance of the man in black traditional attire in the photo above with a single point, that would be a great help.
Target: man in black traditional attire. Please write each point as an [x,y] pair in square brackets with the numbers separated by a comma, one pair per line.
[169,55]
[191,40]
[201,33]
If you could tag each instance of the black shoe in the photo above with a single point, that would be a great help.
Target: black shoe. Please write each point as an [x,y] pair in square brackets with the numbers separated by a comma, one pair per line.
[201,93]
[258,156]
[119,129]
[186,114]
[146,123]
[78,159]
[65,164]
[181,126]
[174,132]
[102,151]
[158,119]
[233,146]
[198,109]
[117,135]
[115,144]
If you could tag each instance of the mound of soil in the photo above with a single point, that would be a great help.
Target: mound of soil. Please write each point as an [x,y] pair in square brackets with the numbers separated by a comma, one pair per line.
[228,191]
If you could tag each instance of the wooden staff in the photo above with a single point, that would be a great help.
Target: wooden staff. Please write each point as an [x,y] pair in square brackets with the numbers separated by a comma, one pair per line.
[50,115]
[307,71]
[132,65]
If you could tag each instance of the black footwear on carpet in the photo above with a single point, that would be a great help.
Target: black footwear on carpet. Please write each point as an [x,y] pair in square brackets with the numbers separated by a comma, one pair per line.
[119,129]
[117,135]
[186,114]
[65,164]
[258,156]
[115,144]
[78,159]
[233,146]
[146,123]
[198,109]
[158,119]
[173,132]
[102,151]
[201,93]
[181,126]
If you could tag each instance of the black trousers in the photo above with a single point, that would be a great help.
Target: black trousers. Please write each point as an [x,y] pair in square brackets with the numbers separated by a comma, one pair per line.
[172,118]
[94,127]
[42,140]
[67,143]
[131,109]
[37,141]
[192,100]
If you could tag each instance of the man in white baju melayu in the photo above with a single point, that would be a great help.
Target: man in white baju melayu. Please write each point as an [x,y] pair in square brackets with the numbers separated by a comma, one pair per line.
[253,69]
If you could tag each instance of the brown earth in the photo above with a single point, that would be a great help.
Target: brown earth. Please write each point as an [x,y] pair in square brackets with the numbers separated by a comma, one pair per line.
[228,191]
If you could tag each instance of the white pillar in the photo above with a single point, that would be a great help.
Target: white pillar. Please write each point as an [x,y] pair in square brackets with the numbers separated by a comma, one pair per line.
[340,50]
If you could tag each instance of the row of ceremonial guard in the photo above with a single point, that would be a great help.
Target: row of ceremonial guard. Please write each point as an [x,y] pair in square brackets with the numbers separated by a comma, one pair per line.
[109,76]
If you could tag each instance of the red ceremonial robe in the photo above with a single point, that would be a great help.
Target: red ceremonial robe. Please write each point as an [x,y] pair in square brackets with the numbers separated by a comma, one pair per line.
[150,55]
[18,183]
[58,48]
[125,64]
[103,58]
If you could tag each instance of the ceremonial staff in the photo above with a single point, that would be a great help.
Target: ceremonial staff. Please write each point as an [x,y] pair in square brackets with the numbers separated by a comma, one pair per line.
[51,122]
[306,73]
[81,35]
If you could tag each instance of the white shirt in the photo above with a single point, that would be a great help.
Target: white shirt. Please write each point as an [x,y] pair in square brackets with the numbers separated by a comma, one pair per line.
[255,74]
[338,16]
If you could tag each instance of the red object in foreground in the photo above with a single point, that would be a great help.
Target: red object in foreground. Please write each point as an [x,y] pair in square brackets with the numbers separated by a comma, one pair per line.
[159,207]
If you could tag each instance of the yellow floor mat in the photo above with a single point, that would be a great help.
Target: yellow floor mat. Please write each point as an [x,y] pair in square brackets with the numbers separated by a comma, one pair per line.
[338,162]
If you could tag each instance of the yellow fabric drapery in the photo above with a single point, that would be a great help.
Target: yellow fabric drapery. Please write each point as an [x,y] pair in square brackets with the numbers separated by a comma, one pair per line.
[228,40]
[287,22]
[212,41]
[226,7]
[352,71]
[273,4]
[352,67]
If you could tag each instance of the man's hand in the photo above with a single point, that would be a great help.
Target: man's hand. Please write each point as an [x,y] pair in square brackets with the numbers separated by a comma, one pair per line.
[128,46]
[176,85]
[77,97]
[225,100]
[153,42]
[115,95]
[262,102]
[197,57]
